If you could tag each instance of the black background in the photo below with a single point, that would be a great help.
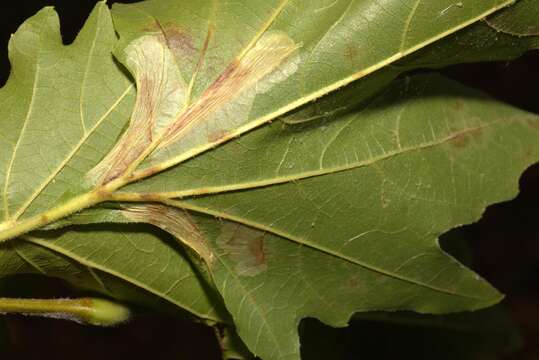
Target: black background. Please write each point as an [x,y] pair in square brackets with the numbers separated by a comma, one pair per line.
[504,242]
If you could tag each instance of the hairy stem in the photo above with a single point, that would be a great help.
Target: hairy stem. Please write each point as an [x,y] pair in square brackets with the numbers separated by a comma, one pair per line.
[84,310]
[11,230]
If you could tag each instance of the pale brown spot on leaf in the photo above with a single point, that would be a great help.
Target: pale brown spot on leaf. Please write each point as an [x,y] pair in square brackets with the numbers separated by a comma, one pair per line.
[462,139]
[180,42]
[178,39]
[245,247]
[458,105]
[256,249]
[533,123]
[176,222]
[217,135]
[459,141]
[350,53]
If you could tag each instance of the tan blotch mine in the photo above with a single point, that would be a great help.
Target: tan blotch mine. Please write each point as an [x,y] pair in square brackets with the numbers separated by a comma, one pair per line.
[271,60]
[245,247]
[161,94]
[174,221]
[161,116]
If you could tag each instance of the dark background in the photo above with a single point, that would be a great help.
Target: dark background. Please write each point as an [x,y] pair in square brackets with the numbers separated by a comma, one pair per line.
[504,244]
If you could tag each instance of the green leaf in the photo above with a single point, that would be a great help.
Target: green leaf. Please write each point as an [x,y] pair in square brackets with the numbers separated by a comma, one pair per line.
[194,92]
[118,262]
[321,218]
[473,44]
[347,212]
[520,21]
[61,109]
[301,62]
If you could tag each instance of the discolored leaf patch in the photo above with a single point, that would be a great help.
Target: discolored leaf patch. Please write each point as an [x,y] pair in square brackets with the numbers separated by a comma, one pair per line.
[174,221]
[162,117]
[161,94]
[178,39]
[245,247]
[462,139]
[257,70]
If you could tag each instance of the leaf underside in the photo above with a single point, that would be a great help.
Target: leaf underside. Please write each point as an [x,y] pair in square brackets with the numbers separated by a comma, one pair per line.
[332,209]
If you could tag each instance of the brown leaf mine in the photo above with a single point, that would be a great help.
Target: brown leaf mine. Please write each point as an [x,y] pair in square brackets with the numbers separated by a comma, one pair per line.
[226,103]
[161,94]
[174,221]
[245,247]
[161,117]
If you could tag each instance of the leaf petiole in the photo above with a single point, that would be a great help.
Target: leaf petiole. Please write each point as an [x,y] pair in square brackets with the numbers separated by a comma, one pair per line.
[10,230]
[92,311]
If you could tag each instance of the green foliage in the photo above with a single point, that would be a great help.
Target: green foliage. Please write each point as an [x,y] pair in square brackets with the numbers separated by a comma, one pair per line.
[255,163]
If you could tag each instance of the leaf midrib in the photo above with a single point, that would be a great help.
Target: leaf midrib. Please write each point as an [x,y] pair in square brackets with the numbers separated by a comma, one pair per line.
[207,190]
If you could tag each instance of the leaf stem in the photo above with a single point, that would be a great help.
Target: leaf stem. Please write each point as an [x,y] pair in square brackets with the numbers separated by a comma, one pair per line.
[14,228]
[11,230]
[91,311]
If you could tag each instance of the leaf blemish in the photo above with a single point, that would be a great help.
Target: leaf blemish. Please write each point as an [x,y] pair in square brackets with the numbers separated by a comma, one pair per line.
[351,53]
[217,135]
[460,140]
[176,222]
[177,38]
[245,247]
[180,42]
[271,60]
[161,93]
[533,123]
[160,117]
[459,105]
